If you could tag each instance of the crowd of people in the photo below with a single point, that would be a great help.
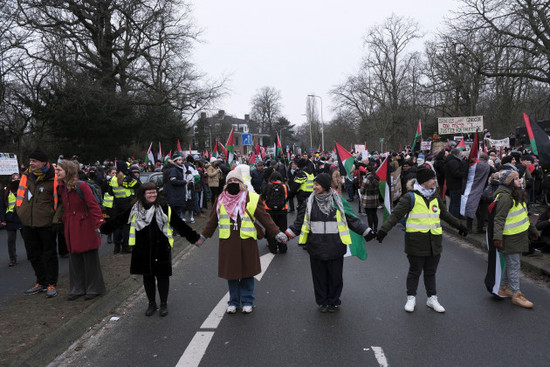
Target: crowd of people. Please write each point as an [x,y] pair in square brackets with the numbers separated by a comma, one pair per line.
[62,209]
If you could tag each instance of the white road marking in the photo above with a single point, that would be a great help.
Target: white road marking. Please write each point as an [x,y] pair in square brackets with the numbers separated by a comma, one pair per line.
[380,356]
[196,349]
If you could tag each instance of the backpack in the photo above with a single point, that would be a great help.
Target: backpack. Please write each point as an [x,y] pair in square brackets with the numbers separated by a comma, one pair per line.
[95,190]
[275,196]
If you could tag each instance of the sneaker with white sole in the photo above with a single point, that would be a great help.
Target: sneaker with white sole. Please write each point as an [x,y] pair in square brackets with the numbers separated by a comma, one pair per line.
[247,309]
[434,304]
[411,303]
[231,309]
[192,220]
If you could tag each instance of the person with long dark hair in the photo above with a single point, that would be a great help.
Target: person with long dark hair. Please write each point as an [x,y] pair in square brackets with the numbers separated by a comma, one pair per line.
[151,238]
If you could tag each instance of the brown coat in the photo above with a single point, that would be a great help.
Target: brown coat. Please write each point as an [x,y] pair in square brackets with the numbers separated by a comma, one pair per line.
[238,258]
[213,176]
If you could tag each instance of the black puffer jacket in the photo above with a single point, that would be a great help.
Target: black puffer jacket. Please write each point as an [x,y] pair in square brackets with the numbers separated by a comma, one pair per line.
[326,246]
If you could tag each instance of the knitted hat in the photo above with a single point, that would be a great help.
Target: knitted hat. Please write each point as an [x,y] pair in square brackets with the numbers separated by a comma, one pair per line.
[324,180]
[507,177]
[39,155]
[302,162]
[424,174]
[213,159]
[234,174]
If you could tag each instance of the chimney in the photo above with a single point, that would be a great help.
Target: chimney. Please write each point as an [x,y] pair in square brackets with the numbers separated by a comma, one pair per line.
[203,115]
[221,114]
[246,117]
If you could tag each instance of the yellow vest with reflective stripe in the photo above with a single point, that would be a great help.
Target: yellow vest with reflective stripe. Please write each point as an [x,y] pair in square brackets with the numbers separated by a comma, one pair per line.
[517,220]
[11,203]
[247,224]
[423,218]
[329,227]
[120,192]
[108,200]
[167,231]
[307,185]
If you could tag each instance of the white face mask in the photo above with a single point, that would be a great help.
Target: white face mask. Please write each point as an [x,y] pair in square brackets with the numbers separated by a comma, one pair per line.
[420,161]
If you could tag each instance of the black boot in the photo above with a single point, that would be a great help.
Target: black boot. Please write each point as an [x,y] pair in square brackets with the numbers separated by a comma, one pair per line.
[116,249]
[163,309]
[151,309]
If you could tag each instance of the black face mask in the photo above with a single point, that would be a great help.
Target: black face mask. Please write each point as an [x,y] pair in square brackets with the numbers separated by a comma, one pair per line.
[233,188]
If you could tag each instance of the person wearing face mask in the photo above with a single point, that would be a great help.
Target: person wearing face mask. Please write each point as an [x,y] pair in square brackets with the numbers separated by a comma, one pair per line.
[152,222]
[236,212]
[423,209]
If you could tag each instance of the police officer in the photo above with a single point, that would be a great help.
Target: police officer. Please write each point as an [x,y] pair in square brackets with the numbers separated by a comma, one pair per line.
[302,186]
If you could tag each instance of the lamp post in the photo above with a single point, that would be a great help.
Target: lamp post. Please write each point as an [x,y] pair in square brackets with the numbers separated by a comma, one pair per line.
[322,125]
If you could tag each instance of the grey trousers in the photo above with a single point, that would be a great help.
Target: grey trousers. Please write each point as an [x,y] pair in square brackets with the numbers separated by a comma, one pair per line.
[510,275]
[85,274]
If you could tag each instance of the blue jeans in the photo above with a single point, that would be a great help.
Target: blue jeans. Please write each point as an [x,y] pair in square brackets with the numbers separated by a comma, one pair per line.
[196,197]
[241,291]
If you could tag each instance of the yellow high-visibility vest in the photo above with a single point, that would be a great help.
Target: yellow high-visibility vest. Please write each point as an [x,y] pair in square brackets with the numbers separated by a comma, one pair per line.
[11,203]
[247,223]
[517,220]
[108,200]
[167,231]
[120,192]
[307,185]
[340,227]
[423,218]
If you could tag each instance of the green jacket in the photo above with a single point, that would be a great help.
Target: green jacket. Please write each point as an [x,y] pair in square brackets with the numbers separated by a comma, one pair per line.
[514,243]
[416,243]
[37,208]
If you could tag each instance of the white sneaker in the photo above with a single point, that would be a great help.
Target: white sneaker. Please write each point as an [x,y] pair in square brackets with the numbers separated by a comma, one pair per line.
[192,220]
[434,304]
[231,309]
[411,302]
[247,309]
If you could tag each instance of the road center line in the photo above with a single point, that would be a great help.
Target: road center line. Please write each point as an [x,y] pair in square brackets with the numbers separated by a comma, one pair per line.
[196,349]
[380,356]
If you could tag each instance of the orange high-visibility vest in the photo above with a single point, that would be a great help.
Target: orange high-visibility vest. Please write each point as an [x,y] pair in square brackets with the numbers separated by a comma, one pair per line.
[23,187]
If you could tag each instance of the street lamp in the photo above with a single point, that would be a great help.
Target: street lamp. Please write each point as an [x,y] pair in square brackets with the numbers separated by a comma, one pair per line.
[322,125]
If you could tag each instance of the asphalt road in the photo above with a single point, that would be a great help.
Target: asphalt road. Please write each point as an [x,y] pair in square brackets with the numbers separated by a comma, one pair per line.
[371,329]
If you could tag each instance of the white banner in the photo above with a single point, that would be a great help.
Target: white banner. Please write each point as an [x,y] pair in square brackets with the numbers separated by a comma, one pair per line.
[459,125]
[359,148]
[425,145]
[8,164]
[498,143]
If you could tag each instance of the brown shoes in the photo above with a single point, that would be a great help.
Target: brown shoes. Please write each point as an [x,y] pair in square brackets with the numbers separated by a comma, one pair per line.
[519,300]
[505,291]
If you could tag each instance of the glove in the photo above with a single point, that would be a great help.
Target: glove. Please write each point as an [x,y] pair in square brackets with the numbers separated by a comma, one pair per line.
[462,231]
[281,237]
[380,236]
[200,241]
[370,236]
[497,244]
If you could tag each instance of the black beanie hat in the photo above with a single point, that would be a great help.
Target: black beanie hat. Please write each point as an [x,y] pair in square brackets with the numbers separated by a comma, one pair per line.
[424,174]
[324,180]
[39,155]
[302,162]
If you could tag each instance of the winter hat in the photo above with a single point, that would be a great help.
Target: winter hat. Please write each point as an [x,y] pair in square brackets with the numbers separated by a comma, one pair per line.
[424,174]
[213,159]
[324,180]
[302,163]
[39,155]
[176,156]
[234,174]
[507,177]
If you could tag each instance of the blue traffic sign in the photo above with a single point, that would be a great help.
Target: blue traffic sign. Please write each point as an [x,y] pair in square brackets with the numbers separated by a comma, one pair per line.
[246,139]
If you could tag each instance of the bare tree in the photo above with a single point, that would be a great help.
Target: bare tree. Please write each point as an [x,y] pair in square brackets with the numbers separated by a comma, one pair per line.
[266,108]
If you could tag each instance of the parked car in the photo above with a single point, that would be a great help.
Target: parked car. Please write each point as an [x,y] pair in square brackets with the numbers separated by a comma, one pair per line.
[155,177]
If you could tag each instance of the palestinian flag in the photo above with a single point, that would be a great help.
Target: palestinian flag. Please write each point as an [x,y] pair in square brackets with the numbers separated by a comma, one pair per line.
[230,147]
[475,182]
[496,262]
[383,173]
[278,148]
[319,148]
[224,151]
[167,157]
[357,247]
[215,150]
[540,143]
[179,150]
[417,136]
[150,158]
[252,161]
[159,155]
[345,160]
[461,145]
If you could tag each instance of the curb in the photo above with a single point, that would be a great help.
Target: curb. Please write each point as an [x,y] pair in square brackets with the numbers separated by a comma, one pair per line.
[535,265]
[71,331]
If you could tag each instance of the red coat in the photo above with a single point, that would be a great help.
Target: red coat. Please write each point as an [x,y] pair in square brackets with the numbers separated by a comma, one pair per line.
[81,218]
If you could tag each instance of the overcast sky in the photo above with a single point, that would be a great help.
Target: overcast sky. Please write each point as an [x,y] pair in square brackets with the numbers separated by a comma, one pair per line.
[299,47]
